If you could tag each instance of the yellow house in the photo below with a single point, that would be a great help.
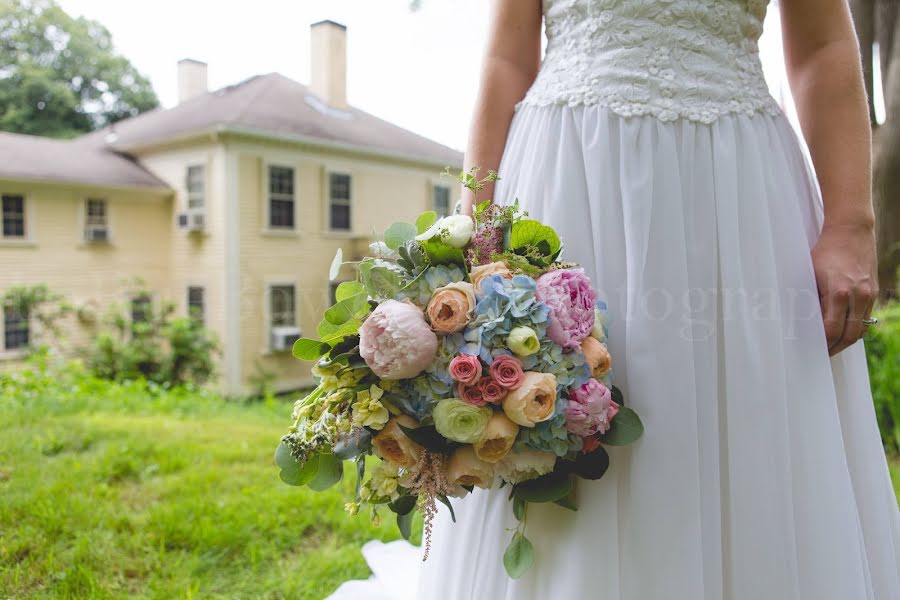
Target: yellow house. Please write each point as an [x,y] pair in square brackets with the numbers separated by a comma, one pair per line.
[231,204]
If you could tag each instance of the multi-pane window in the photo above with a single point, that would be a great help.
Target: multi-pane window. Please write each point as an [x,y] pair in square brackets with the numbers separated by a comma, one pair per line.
[13,216]
[440,200]
[95,220]
[339,202]
[281,306]
[195,303]
[195,184]
[141,307]
[281,197]
[15,329]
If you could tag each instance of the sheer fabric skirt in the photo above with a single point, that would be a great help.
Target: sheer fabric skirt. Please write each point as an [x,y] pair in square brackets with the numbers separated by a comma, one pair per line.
[761,474]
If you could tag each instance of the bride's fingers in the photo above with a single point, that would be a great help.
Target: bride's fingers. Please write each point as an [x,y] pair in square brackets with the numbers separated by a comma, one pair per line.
[854,329]
[834,314]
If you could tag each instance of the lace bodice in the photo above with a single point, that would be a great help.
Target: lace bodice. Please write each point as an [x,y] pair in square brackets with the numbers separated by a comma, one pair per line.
[691,59]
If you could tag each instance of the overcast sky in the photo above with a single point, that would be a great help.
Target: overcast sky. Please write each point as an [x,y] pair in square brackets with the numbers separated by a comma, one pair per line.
[416,69]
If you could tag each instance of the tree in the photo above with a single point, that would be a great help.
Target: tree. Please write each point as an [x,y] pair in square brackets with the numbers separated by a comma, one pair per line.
[60,76]
[878,26]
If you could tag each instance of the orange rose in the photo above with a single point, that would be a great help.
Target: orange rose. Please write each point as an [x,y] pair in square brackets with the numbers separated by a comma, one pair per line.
[392,445]
[532,402]
[597,356]
[450,308]
[465,468]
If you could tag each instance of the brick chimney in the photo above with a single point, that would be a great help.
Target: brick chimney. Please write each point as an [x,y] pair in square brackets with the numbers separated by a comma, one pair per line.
[328,53]
[192,79]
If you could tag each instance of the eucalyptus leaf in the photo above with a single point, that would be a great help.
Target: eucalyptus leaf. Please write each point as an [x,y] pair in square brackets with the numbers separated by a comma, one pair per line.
[349,308]
[519,508]
[330,471]
[425,220]
[307,349]
[353,444]
[398,234]
[617,395]
[403,505]
[592,465]
[301,474]
[519,556]
[336,264]
[332,334]
[626,428]
[404,524]
[549,488]
[348,288]
[283,457]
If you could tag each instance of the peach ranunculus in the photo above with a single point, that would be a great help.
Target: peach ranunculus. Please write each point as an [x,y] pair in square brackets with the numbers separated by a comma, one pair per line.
[465,468]
[522,465]
[451,307]
[495,268]
[497,439]
[597,356]
[534,401]
[394,446]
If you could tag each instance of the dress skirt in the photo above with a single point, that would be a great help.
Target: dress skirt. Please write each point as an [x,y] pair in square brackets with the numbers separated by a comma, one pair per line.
[760,475]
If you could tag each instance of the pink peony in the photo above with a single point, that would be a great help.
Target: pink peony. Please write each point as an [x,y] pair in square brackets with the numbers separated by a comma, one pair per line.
[491,391]
[465,369]
[507,371]
[396,342]
[570,297]
[590,409]
[471,394]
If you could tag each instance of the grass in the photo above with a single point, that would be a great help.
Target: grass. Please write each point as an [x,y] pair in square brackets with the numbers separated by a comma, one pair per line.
[120,491]
[128,491]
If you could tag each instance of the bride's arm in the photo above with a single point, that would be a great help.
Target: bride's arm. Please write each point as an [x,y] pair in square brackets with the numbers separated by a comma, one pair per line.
[511,63]
[823,64]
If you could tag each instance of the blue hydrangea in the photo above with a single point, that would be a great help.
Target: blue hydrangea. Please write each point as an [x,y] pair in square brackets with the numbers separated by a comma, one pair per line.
[501,305]
[420,394]
[551,435]
[569,367]
[420,290]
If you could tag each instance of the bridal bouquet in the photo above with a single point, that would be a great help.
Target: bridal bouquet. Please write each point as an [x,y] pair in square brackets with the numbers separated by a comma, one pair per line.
[464,352]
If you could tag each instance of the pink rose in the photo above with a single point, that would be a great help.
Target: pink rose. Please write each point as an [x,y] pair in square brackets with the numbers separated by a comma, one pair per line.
[507,371]
[465,369]
[569,296]
[471,394]
[491,391]
[396,342]
[590,409]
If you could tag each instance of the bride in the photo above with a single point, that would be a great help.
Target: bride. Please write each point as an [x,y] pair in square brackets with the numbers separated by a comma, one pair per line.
[739,287]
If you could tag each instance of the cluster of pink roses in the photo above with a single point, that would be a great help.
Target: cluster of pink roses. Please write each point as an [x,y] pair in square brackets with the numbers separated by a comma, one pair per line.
[478,389]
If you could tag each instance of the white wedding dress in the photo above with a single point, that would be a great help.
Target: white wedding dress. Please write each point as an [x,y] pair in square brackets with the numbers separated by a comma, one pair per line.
[650,142]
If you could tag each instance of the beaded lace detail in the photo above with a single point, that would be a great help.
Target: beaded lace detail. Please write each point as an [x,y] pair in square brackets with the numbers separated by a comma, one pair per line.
[689,59]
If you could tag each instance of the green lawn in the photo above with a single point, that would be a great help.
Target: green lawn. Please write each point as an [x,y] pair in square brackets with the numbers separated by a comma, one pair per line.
[117,492]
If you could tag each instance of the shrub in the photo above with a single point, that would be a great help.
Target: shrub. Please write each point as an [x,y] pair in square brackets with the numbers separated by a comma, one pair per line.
[883,351]
[158,346]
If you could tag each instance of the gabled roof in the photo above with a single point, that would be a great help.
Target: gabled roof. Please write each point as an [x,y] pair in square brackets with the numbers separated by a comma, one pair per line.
[29,157]
[273,105]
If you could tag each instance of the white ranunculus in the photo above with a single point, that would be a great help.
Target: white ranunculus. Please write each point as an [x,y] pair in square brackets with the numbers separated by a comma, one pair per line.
[456,231]
[522,465]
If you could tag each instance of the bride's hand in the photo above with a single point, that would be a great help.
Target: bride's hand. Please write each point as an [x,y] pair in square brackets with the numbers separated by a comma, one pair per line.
[844,261]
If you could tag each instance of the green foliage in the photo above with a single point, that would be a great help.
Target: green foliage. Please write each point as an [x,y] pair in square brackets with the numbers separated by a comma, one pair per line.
[625,429]
[519,555]
[41,306]
[883,353]
[61,75]
[130,490]
[398,234]
[162,348]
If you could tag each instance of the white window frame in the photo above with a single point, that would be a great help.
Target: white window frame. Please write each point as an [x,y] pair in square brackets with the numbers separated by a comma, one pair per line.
[203,299]
[329,200]
[18,350]
[191,197]
[432,188]
[85,216]
[268,197]
[27,219]
[268,284]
